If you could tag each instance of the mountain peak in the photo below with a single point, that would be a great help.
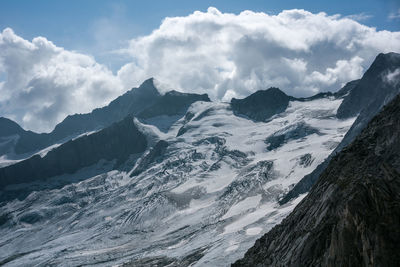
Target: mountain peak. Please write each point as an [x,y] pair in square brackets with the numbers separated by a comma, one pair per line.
[262,104]
[148,82]
[148,87]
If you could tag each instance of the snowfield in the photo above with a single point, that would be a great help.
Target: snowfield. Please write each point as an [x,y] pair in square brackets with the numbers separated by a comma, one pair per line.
[204,201]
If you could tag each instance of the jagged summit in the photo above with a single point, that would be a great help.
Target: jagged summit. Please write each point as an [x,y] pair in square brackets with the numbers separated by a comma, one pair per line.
[148,87]
[351,215]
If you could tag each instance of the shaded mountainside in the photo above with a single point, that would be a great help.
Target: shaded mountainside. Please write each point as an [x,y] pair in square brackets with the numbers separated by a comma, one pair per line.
[351,216]
[132,102]
[366,97]
[117,141]
[373,87]
[262,105]
[9,127]
[143,102]
[172,103]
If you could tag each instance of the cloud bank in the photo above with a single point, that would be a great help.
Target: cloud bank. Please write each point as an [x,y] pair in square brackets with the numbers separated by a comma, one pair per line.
[222,54]
[230,55]
[44,83]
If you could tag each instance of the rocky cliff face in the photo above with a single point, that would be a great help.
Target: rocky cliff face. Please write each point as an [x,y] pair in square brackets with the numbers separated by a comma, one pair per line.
[351,216]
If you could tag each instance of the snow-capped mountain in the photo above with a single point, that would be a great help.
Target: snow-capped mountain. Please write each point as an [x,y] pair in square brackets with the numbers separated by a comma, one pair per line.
[202,192]
[179,181]
[143,102]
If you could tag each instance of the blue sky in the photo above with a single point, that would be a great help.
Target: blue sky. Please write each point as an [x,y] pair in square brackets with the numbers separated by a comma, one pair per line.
[64,57]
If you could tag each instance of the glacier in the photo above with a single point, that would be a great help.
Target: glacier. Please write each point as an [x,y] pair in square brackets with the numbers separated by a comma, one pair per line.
[202,198]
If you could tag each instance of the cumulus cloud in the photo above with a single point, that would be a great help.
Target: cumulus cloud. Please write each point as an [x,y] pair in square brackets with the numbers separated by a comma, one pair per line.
[44,83]
[232,55]
[222,54]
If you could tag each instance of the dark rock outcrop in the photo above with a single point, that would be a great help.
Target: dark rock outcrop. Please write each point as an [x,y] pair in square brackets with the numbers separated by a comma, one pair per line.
[368,96]
[292,132]
[261,105]
[155,152]
[172,103]
[116,142]
[351,216]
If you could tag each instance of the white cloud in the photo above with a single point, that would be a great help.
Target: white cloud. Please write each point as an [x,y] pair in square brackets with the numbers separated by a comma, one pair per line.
[229,55]
[44,83]
[360,17]
[222,54]
[394,15]
[393,77]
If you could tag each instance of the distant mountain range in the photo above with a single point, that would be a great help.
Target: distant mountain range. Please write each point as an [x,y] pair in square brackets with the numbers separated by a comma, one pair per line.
[176,179]
[143,102]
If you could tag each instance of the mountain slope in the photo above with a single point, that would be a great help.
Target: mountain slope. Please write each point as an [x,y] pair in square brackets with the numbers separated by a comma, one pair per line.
[28,142]
[367,97]
[144,102]
[117,141]
[130,103]
[9,127]
[351,216]
[373,87]
[172,103]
